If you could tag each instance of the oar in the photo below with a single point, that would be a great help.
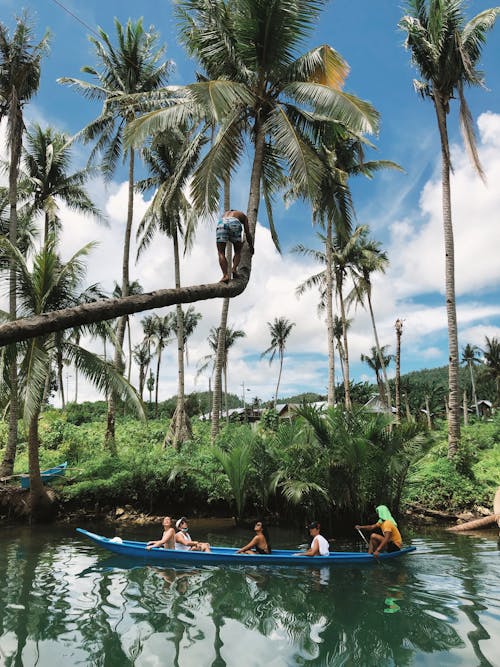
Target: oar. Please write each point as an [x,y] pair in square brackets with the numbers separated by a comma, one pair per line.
[363,537]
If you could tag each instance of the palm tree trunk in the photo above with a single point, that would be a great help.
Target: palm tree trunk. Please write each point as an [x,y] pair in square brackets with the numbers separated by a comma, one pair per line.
[15,125]
[120,330]
[473,383]
[387,389]
[157,381]
[399,332]
[180,426]
[225,392]
[129,335]
[464,408]
[252,211]
[451,310]
[38,494]
[347,388]
[428,413]
[279,380]
[329,314]
[60,379]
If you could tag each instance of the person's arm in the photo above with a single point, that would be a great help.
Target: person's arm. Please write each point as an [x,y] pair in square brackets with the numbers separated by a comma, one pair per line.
[312,551]
[158,543]
[188,543]
[372,527]
[251,544]
[382,545]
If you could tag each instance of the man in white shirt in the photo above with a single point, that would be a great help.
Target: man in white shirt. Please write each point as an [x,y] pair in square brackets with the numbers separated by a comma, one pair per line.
[183,541]
[319,545]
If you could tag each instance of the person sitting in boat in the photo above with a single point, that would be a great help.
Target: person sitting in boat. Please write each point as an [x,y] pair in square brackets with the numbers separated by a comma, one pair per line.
[183,541]
[260,544]
[390,539]
[168,538]
[319,545]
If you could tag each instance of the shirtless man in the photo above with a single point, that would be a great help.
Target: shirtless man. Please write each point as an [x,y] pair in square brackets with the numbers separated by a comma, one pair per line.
[168,538]
[229,229]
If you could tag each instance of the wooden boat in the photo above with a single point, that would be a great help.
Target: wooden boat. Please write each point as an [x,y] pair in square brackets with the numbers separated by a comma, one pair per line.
[46,475]
[229,555]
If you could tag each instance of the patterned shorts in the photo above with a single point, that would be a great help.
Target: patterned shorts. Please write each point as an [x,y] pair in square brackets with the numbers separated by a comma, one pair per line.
[228,229]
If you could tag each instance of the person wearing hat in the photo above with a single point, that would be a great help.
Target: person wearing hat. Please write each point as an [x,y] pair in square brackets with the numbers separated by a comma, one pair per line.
[183,541]
[390,539]
[168,538]
[319,545]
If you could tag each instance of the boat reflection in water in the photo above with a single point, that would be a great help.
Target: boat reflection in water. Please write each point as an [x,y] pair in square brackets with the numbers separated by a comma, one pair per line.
[65,604]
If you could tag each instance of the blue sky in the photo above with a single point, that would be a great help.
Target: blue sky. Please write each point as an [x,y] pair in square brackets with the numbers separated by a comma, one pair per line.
[403,210]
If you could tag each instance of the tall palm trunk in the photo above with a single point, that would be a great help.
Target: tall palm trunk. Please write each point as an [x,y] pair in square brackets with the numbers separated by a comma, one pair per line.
[464,408]
[38,494]
[252,212]
[157,381]
[180,426]
[473,383]
[221,338]
[386,388]
[347,387]
[451,310]
[399,333]
[129,337]
[279,380]
[120,330]
[329,313]
[15,124]
[60,380]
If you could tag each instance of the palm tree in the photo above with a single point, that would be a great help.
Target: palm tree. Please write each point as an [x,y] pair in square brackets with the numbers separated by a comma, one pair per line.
[470,357]
[492,361]
[230,338]
[376,365]
[446,50]
[372,259]
[135,288]
[48,284]
[162,327]
[20,59]
[142,357]
[47,160]
[280,330]
[135,65]
[170,160]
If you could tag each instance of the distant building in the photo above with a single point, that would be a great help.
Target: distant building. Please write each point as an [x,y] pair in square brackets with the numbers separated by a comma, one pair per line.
[377,406]
[484,408]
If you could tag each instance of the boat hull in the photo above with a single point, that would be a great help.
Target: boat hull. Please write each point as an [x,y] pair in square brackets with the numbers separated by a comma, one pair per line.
[46,475]
[228,555]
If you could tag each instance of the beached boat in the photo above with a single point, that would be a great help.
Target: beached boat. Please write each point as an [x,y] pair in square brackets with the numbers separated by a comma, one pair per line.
[229,555]
[47,475]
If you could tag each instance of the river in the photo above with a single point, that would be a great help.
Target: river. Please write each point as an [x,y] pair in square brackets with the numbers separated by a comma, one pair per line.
[66,602]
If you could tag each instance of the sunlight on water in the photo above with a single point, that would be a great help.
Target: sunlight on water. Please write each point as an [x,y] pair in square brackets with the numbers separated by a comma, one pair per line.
[67,602]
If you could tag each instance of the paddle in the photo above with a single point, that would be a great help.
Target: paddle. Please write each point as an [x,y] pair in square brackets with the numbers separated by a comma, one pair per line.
[363,537]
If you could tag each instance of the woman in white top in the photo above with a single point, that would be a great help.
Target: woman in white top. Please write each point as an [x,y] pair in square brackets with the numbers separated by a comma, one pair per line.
[319,545]
[183,541]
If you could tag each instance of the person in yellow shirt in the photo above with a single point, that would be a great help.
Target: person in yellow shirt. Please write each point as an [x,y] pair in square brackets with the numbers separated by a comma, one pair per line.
[390,539]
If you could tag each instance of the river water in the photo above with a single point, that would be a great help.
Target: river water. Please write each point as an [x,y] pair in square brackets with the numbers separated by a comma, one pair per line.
[66,602]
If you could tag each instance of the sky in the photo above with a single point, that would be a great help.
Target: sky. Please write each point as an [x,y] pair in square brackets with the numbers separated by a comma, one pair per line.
[403,209]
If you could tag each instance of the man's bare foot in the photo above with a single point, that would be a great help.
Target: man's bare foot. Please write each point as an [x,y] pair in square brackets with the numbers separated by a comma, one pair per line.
[224,279]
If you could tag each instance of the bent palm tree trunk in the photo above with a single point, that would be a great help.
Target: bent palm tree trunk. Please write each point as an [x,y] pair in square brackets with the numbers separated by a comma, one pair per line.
[329,314]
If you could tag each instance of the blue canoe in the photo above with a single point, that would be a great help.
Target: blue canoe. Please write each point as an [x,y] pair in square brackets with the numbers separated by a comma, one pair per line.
[46,475]
[229,555]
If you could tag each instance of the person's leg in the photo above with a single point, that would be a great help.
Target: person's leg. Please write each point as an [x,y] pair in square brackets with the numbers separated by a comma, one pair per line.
[237,246]
[221,249]
[375,540]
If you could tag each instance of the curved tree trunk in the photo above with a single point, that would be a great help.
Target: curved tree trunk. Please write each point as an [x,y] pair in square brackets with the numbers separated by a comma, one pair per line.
[279,380]
[451,310]
[39,500]
[329,314]
[157,381]
[15,123]
[120,330]
[252,212]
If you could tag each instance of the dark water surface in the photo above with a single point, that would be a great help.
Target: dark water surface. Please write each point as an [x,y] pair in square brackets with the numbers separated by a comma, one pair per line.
[66,602]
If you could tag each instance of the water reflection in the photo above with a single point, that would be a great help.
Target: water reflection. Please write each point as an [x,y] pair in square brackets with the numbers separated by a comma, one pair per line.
[65,603]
